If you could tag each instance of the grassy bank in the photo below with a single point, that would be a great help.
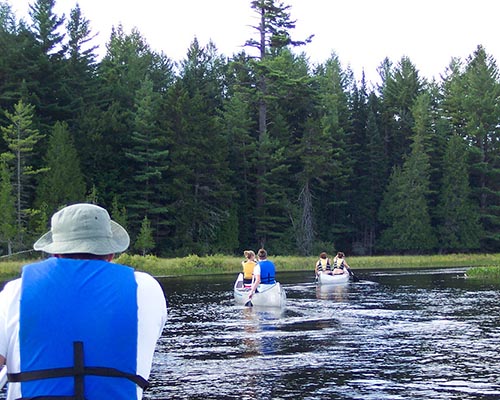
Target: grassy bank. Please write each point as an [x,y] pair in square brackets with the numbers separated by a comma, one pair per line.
[490,274]
[220,264]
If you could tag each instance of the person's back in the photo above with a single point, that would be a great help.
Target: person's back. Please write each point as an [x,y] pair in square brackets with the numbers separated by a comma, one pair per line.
[323,264]
[79,325]
[267,269]
[248,267]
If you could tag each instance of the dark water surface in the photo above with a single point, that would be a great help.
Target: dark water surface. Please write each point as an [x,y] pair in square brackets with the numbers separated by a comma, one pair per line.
[428,334]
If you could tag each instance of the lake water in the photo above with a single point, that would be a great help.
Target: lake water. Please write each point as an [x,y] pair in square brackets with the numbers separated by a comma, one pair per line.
[406,334]
[428,334]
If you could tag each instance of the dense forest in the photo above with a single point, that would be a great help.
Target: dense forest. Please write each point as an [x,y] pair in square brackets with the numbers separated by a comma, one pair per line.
[215,154]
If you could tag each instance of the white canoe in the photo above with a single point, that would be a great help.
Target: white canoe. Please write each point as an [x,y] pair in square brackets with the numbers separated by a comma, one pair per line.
[327,279]
[272,296]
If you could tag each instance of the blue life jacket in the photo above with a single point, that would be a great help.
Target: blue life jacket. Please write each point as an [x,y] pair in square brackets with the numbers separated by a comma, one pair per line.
[267,272]
[78,327]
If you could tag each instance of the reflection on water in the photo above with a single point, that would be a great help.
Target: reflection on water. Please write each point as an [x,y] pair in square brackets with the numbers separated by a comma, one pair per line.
[426,334]
[332,292]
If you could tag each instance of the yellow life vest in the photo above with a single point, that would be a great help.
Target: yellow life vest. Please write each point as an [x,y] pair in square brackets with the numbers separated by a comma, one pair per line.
[248,269]
[324,264]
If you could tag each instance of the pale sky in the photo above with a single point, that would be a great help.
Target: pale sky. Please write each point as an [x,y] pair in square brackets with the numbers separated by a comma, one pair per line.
[361,32]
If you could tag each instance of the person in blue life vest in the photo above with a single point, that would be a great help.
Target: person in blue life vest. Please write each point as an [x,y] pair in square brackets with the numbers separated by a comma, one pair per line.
[248,265]
[264,273]
[323,264]
[76,325]
[339,263]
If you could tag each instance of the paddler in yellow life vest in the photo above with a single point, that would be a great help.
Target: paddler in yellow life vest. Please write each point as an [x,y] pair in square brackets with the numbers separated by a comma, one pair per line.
[339,263]
[248,265]
[323,264]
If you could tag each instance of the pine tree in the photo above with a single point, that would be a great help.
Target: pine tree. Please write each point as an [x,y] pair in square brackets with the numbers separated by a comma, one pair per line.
[8,226]
[400,88]
[119,213]
[63,183]
[334,197]
[242,159]
[47,77]
[199,173]
[21,139]
[459,228]
[145,241]
[273,38]
[405,206]
[482,110]
[148,159]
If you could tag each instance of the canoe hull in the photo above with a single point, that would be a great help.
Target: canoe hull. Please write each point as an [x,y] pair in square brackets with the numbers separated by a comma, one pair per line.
[274,296]
[326,279]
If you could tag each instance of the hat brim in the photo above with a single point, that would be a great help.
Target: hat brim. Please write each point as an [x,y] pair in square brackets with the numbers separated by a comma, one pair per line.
[117,243]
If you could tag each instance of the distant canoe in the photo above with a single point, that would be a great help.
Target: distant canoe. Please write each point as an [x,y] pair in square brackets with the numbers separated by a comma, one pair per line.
[272,296]
[327,279]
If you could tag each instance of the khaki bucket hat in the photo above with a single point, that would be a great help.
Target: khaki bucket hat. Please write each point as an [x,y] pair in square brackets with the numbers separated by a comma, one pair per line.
[83,228]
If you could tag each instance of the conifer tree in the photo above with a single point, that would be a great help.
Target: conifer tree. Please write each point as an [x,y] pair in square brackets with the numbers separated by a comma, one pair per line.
[63,183]
[119,213]
[273,37]
[482,111]
[145,241]
[8,226]
[47,66]
[459,228]
[79,81]
[199,173]
[148,159]
[334,197]
[400,88]
[21,139]
[242,159]
[405,206]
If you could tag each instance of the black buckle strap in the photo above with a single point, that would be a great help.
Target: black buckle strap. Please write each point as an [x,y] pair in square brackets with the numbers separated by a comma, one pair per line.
[78,372]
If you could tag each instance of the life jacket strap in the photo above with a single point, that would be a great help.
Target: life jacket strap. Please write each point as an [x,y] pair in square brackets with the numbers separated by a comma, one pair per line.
[78,372]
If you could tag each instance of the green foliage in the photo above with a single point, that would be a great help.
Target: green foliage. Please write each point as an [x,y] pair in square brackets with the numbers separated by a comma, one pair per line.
[8,227]
[229,153]
[148,263]
[63,183]
[459,227]
[405,208]
[145,241]
[490,274]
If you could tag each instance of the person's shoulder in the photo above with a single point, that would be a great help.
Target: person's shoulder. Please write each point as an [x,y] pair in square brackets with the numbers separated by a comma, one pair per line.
[144,277]
[13,284]
[11,289]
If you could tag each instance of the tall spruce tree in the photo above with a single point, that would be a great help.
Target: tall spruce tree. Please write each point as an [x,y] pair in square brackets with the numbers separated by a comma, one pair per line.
[459,227]
[63,183]
[199,173]
[148,159]
[405,206]
[107,132]
[47,67]
[482,110]
[400,88]
[242,157]
[333,199]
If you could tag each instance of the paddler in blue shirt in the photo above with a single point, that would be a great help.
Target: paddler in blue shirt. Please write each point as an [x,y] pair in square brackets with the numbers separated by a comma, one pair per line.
[264,272]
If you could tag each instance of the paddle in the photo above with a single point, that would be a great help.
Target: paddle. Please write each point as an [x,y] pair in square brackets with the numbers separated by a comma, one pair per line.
[354,277]
[3,376]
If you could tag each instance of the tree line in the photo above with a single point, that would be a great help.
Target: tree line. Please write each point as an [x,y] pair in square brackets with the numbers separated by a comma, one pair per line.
[215,154]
